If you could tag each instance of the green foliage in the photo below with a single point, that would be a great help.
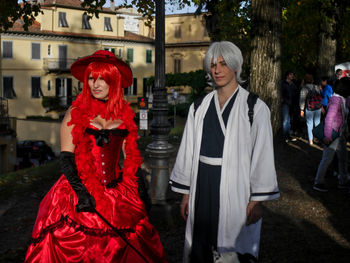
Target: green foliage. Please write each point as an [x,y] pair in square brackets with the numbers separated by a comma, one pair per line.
[11,10]
[52,103]
[26,11]
[302,22]
[39,117]
[181,109]
[195,79]
[229,20]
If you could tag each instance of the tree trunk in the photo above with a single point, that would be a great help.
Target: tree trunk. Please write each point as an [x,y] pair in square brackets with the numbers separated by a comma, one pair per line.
[327,48]
[265,75]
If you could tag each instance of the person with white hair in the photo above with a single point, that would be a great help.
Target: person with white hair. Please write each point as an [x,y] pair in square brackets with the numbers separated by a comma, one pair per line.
[225,165]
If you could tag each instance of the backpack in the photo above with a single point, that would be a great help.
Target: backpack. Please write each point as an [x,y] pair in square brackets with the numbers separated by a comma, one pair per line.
[251,100]
[313,100]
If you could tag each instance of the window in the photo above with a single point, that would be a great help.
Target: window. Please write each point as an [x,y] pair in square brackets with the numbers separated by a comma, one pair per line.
[147,89]
[120,53]
[130,54]
[108,26]
[49,50]
[36,87]
[177,65]
[148,56]
[64,90]
[7,49]
[178,31]
[80,86]
[110,49]
[49,85]
[205,33]
[86,23]
[36,51]
[132,90]
[8,91]
[62,21]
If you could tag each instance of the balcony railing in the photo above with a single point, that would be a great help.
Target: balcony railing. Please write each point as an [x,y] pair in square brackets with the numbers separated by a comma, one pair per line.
[57,64]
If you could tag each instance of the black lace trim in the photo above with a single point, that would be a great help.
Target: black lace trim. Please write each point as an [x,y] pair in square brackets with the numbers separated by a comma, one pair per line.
[65,220]
[115,182]
[102,136]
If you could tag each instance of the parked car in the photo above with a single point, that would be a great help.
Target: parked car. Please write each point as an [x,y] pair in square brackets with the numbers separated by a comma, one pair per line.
[33,153]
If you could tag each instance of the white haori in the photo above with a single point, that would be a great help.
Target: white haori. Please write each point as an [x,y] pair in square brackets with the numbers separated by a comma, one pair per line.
[248,171]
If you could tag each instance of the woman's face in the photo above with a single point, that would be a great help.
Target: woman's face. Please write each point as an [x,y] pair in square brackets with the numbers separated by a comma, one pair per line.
[99,88]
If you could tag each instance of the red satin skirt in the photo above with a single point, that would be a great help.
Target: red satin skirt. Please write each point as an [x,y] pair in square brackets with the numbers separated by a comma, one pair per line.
[62,235]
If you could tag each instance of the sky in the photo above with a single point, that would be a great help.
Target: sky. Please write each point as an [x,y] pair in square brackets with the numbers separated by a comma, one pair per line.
[169,9]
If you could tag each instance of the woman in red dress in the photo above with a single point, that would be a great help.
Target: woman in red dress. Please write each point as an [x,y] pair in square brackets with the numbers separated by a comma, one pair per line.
[98,126]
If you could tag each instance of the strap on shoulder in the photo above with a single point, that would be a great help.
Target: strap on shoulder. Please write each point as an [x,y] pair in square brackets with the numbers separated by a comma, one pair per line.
[252,98]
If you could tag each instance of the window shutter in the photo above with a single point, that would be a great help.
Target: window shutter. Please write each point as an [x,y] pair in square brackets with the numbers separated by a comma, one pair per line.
[36,51]
[144,93]
[86,23]
[58,86]
[108,26]
[35,84]
[62,22]
[69,91]
[134,84]
[148,56]
[130,55]
[7,49]
[9,92]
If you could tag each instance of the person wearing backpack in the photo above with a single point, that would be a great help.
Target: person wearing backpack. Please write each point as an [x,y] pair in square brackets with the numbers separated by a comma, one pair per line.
[336,120]
[225,165]
[310,104]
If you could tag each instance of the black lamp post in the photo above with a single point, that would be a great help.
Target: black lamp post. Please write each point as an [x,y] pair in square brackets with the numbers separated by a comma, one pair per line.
[159,150]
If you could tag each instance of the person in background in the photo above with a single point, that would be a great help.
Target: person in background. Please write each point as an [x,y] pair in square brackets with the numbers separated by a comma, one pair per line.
[327,92]
[288,97]
[337,75]
[311,114]
[336,119]
[225,166]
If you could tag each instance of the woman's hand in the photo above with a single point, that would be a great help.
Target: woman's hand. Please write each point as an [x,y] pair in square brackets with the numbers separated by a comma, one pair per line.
[254,212]
[302,113]
[184,206]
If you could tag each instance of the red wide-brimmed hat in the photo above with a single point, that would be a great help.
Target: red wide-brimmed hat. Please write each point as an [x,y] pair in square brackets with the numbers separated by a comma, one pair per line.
[78,67]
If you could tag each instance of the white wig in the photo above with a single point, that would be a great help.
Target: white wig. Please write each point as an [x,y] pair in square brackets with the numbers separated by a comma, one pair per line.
[229,52]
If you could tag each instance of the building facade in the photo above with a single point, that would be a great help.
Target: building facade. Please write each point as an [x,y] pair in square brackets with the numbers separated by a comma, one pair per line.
[186,42]
[36,63]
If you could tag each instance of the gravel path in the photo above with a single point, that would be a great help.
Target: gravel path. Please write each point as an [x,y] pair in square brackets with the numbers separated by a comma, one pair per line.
[301,226]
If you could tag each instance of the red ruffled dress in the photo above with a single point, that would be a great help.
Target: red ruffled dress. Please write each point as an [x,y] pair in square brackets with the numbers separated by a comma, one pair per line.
[62,235]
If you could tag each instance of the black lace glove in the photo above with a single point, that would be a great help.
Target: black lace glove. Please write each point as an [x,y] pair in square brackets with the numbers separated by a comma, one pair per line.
[143,188]
[86,202]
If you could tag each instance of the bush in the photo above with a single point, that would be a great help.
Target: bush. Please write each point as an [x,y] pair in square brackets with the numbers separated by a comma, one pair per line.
[41,118]
[52,103]
[182,109]
[195,79]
